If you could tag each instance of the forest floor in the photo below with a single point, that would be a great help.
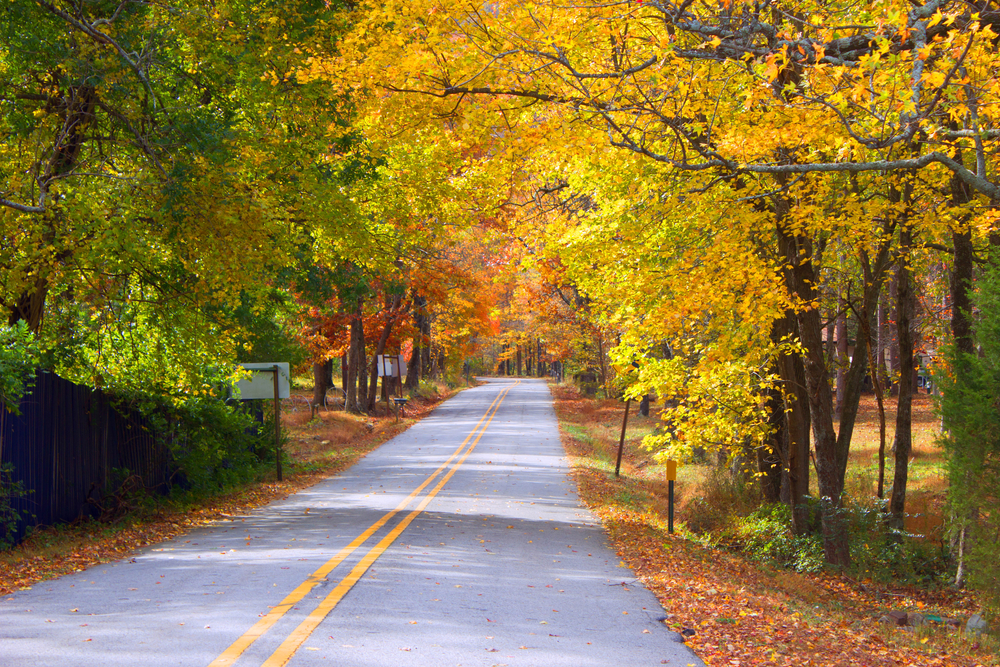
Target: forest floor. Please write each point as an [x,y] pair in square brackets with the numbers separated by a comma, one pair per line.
[741,612]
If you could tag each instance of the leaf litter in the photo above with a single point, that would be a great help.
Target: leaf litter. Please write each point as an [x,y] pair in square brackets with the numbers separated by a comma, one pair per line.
[734,612]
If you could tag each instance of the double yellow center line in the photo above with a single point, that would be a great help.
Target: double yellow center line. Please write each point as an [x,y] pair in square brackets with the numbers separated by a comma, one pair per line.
[288,647]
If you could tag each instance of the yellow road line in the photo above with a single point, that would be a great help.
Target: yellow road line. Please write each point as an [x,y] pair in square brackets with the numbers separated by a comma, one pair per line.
[237,648]
[288,647]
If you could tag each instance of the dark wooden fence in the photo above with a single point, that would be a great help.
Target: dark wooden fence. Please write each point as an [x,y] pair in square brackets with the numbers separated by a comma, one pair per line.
[69,444]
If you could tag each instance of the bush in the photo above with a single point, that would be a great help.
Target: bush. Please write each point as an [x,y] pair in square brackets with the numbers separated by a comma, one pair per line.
[215,444]
[722,498]
[970,383]
[766,535]
[10,518]
[19,356]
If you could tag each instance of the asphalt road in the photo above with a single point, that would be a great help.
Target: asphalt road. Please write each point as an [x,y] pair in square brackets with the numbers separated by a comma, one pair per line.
[460,542]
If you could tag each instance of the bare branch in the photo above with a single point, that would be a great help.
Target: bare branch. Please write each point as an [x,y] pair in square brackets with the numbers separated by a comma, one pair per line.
[21,207]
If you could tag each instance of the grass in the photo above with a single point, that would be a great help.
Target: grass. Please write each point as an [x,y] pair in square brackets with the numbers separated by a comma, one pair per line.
[749,613]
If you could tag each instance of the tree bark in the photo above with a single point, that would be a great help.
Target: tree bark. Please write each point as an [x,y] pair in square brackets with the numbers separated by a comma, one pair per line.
[77,110]
[842,352]
[319,384]
[426,368]
[415,368]
[356,361]
[804,279]
[793,446]
[905,308]
[961,330]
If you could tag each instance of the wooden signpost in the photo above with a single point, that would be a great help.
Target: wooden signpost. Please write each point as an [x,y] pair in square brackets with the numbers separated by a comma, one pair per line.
[269,380]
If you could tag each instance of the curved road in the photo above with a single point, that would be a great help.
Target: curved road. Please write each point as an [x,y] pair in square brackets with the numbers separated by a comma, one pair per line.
[460,542]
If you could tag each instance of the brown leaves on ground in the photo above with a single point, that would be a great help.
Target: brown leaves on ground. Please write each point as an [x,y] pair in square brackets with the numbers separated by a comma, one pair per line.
[744,613]
[52,552]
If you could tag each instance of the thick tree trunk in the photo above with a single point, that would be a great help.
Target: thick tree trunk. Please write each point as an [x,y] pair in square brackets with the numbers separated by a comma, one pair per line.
[77,111]
[798,253]
[426,368]
[319,384]
[415,368]
[793,446]
[30,305]
[770,457]
[905,300]
[519,361]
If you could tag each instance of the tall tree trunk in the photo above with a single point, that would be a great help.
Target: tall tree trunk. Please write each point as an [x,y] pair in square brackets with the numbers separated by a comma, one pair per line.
[356,362]
[842,352]
[415,368]
[961,330]
[77,110]
[804,280]
[880,346]
[426,367]
[794,443]
[870,347]
[894,361]
[519,361]
[905,300]
[770,456]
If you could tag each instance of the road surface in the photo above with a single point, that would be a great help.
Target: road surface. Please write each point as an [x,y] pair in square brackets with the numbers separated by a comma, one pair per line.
[460,542]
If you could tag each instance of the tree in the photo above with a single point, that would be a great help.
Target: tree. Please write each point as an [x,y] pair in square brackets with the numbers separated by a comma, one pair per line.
[709,92]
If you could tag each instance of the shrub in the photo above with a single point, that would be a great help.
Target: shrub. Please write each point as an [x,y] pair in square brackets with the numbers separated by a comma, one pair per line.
[766,535]
[721,498]
[971,384]
[10,517]
[19,356]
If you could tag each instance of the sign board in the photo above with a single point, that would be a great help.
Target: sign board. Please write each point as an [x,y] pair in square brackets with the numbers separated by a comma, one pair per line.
[391,365]
[671,470]
[261,383]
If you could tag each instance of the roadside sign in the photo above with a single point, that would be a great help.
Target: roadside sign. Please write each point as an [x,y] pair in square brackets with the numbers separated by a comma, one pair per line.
[391,365]
[260,385]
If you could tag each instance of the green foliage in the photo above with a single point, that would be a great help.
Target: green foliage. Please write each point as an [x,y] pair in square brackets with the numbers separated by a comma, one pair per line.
[215,444]
[766,536]
[19,355]
[426,389]
[970,406]
[883,552]
[9,517]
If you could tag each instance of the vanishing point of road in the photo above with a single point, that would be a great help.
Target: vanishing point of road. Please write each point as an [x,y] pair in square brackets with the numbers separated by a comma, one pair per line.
[460,542]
